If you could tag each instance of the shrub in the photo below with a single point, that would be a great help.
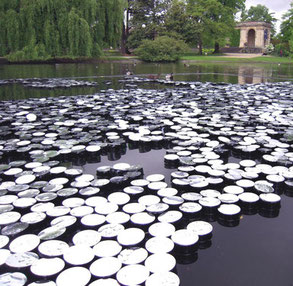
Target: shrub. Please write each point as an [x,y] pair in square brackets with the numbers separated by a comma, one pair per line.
[162,49]
[269,49]
[97,51]
[29,53]
[16,56]
[207,51]
[282,49]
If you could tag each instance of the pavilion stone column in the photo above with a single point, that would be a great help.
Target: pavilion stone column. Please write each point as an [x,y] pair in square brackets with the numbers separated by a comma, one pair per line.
[259,38]
[243,37]
[269,38]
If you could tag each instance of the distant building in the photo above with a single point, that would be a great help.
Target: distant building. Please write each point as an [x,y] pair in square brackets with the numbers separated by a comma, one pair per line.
[254,36]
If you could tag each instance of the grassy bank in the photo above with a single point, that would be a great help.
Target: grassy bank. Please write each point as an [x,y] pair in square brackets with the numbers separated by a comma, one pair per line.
[185,58]
[192,57]
[261,59]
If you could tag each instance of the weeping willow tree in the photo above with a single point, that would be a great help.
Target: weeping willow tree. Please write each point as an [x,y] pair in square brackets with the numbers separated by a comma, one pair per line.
[53,28]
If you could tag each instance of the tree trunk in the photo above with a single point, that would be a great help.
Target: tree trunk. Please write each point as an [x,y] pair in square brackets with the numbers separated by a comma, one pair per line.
[125,33]
[123,41]
[217,48]
[200,46]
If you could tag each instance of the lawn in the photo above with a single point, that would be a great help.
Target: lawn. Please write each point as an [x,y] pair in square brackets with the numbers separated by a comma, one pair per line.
[212,58]
[261,59]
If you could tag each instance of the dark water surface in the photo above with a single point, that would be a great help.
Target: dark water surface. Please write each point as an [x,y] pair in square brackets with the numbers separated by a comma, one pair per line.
[259,251]
[109,74]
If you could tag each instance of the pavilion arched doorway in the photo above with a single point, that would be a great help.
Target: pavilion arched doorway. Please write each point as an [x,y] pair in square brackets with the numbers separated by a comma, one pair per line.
[251,38]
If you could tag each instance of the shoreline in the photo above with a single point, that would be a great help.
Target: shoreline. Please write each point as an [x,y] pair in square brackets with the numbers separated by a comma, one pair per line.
[132,59]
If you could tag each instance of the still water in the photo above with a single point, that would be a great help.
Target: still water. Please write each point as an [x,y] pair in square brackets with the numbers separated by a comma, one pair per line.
[109,74]
[256,252]
[259,250]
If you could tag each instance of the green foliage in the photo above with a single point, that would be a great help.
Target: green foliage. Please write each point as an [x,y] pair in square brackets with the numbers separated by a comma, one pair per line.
[30,52]
[287,24]
[214,20]
[97,51]
[12,29]
[202,13]
[286,35]
[65,28]
[234,38]
[3,37]
[197,22]
[162,49]
[269,49]
[178,23]
[136,37]
[16,57]
[259,13]
[146,21]
[73,32]
[207,51]
[282,49]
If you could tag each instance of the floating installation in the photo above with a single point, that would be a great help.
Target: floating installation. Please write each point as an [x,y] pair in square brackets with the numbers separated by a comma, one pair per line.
[229,152]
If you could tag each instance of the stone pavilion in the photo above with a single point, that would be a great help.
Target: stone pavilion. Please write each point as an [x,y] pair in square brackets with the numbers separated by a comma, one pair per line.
[254,36]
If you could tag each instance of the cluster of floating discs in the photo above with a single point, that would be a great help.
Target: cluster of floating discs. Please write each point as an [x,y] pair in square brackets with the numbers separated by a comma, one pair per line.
[229,152]
[48,83]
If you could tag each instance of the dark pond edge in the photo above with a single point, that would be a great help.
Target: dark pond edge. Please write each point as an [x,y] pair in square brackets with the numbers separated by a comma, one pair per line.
[4,61]
[129,59]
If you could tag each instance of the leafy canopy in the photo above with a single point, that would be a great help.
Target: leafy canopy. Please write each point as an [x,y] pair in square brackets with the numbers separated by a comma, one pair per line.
[259,13]
[63,28]
[161,49]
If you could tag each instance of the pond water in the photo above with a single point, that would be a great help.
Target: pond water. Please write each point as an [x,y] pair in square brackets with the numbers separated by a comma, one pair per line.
[259,250]
[109,74]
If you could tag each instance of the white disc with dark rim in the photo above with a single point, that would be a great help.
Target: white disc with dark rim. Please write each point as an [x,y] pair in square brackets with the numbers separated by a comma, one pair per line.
[134,255]
[24,243]
[159,244]
[52,248]
[160,262]
[133,275]
[105,267]
[131,236]
[78,255]
[74,276]
[163,279]
[229,209]
[105,282]
[200,227]
[107,248]
[47,266]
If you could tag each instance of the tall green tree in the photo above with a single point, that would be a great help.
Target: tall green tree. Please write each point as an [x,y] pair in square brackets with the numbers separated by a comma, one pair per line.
[60,28]
[286,33]
[287,24]
[214,19]
[12,30]
[259,13]
[179,24]
[234,7]
[3,37]
[146,20]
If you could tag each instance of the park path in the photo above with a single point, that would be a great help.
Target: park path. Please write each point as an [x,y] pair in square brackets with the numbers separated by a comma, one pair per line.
[240,55]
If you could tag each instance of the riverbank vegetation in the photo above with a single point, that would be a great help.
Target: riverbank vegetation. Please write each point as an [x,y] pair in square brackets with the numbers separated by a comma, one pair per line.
[161,49]
[44,29]
[207,25]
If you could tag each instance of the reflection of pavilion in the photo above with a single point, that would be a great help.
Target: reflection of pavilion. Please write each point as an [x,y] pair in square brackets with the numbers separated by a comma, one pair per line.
[254,35]
[251,74]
